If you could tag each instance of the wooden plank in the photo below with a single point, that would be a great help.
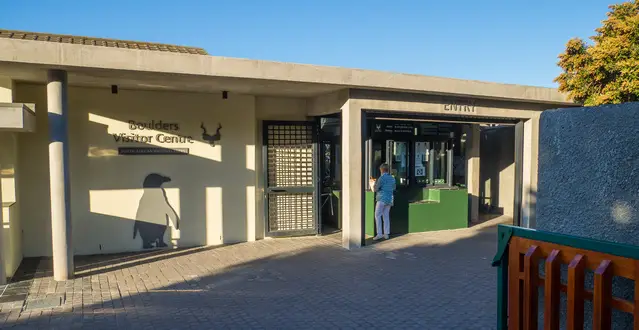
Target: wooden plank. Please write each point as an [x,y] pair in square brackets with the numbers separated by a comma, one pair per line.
[552,290]
[624,267]
[602,313]
[514,303]
[611,248]
[616,303]
[502,294]
[531,293]
[575,285]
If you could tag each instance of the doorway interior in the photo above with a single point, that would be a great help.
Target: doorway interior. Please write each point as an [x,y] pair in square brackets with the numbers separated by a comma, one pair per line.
[330,173]
[429,156]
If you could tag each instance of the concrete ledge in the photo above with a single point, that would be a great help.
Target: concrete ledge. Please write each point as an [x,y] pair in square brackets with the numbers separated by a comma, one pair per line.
[17,117]
[68,56]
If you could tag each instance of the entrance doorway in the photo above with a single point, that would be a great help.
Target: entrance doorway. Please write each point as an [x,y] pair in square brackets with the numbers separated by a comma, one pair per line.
[497,172]
[441,175]
[330,174]
[291,191]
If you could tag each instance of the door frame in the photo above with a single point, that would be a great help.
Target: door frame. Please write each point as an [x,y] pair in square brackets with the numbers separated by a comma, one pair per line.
[267,189]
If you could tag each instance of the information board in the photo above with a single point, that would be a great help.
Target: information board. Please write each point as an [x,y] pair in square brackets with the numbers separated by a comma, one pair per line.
[396,128]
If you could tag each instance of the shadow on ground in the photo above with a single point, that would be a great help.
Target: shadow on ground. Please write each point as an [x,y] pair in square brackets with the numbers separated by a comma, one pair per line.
[424,281]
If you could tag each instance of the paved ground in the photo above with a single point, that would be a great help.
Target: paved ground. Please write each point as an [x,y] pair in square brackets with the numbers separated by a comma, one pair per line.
[423,281]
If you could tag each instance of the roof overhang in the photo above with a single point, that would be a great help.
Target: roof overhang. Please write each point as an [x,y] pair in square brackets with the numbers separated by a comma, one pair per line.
[266,76]
[17,117]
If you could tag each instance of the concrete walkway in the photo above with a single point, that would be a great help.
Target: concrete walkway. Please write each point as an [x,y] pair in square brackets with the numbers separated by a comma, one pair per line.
[437,280]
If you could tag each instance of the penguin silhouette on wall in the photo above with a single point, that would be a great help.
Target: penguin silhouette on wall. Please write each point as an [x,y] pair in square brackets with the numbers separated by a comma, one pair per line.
[154,213]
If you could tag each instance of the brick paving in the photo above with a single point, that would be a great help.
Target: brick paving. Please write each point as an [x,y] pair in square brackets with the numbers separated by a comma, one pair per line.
[421,281]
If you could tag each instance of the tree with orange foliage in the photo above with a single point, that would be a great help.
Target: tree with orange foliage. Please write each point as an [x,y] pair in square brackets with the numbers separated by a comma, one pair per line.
[607,71]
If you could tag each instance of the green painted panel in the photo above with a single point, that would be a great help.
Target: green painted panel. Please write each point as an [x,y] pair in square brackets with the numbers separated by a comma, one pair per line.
[369,213]
[336,208]
[432,194]
[443,209]
[450,212]
[399,213]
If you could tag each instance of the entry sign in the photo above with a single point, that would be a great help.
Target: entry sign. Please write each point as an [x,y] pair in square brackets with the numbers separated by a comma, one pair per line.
[420,158]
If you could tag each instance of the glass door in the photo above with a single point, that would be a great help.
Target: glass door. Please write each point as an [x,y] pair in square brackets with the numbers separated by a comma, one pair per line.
[440,163]
[421,162]
[397,159]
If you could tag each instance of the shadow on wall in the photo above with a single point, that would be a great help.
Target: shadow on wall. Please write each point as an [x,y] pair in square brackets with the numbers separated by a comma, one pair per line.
[106,187]
[530,215]
[205,182]
[155,213]
[497,159]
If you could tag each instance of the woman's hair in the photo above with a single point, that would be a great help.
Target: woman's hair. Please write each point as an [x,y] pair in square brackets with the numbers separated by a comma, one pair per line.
[383,168]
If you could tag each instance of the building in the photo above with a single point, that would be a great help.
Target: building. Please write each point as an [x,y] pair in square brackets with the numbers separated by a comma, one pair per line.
[110,146]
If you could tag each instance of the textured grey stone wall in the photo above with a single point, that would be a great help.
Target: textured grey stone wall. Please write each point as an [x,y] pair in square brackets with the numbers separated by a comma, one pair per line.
[589,181]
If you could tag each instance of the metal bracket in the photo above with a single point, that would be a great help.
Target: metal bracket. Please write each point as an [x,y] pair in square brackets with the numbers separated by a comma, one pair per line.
[504,233]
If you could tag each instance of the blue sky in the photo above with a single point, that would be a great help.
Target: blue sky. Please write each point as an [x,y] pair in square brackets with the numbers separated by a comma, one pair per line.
[509,41]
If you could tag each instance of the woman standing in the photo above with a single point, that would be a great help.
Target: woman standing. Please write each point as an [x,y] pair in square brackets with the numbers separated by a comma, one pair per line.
[384,188]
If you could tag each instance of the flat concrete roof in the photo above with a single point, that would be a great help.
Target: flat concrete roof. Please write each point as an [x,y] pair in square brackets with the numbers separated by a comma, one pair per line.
[160,69]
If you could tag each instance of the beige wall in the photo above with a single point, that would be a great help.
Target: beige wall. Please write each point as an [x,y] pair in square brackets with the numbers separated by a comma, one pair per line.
[12,235]
[497,170]
[11,231]
[212,189]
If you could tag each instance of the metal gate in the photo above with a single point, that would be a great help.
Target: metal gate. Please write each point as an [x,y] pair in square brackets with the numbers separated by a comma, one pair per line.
[291,189]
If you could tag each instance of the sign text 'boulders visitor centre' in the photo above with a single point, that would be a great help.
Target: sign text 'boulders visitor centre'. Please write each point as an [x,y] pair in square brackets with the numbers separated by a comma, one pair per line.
[158,132]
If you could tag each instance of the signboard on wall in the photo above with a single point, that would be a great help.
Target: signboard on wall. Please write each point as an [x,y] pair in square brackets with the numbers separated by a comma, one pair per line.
[159,137]
[401,129]
[391,127]
[152,151]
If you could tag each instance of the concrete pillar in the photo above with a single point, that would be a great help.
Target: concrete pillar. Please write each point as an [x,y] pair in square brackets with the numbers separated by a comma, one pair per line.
[3,272]
[59,175]
[472,170]
[6,95]
[530,172]
[352,183]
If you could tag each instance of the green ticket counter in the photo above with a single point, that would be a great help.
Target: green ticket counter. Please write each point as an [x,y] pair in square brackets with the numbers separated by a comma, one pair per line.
[422,209]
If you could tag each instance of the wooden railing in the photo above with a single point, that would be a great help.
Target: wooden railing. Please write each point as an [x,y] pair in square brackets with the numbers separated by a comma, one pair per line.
[518,258]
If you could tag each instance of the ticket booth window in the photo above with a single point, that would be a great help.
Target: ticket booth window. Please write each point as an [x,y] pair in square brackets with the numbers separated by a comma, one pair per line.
[377,158]
[422,152]
[398,160]
[440,157]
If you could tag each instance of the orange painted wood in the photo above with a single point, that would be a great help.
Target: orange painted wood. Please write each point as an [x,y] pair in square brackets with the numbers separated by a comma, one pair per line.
[523,280]
[624,267]
[552,289]
[602,313]
[514,285]
[575,294]
[531,293]
[635,309]
[617,303]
